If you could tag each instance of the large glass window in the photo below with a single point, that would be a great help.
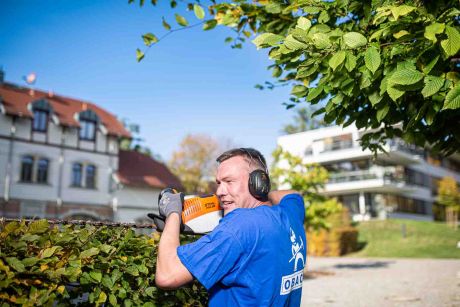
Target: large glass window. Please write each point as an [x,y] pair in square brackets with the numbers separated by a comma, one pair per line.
[34,169]
[27,166]
[40,122]
[77,174]
[42,171]
[90,176]
[84,175]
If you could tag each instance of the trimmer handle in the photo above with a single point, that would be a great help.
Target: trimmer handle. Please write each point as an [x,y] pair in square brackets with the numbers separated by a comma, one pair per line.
[159,220]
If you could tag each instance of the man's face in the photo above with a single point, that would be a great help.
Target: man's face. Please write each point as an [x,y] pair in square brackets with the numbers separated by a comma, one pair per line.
[232,184]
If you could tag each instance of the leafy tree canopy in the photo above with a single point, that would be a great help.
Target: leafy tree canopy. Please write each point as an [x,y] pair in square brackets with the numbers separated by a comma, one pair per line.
[388,66]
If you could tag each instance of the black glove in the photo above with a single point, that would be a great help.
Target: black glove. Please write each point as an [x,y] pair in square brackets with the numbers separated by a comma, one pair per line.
[171,202]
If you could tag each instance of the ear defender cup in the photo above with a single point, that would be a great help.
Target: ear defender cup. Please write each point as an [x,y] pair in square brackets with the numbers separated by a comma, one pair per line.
[259,184]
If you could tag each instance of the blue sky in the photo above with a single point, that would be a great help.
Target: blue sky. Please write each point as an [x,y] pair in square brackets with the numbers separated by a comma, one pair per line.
[191,82]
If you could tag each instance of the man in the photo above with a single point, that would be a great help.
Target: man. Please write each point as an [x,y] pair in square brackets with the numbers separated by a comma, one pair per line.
[255,256]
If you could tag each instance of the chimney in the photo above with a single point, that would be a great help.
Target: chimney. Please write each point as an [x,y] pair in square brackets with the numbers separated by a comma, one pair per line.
[2,76]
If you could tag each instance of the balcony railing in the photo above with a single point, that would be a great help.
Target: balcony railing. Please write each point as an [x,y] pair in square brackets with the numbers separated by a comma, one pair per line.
[386,173]
[339,145]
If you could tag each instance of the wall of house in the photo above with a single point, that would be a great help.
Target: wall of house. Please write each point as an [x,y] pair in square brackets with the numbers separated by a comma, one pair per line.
[134,203]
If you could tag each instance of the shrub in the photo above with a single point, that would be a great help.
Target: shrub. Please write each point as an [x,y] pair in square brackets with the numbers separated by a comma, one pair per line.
[76,265]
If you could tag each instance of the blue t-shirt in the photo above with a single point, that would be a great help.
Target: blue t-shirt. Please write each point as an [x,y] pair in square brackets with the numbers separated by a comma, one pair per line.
[254,257]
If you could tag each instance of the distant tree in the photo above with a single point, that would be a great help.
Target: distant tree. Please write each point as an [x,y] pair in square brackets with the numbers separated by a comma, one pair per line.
[304,120]
[389,65]
[449,197]
[195,162]
[289,171]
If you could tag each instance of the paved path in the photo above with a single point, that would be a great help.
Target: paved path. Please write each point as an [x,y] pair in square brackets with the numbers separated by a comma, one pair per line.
[381,282]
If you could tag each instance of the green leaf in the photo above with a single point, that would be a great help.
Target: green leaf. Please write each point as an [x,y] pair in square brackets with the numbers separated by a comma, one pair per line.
[451,45]
[277,71]
[102,298]
[116,274]
[375,98]
[132,270]
[354,40]
[337,59]
[181,20]
[321,40]
[406,76]
[112,299]
[314,92]
[29,261]
[150,290]
[166,25]
[39,226]
[452,99]
[48,252]
[149,39]
[372,59]
[107,282]
[382,112]
[89,252]
[173,4]
[432,85]
[323,17]
[429,67]
[299,90]
[267,39]
[96,275]
[198,10]
[401,10]
[394,93]
[15,264]
[350,62]
[139,55]
[303,23]
[400,34]
[209,24]
[432,30]
[291,43]
[30,237]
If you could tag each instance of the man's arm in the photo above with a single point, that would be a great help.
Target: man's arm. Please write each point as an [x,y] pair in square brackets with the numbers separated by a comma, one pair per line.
[170,272]
[275,196]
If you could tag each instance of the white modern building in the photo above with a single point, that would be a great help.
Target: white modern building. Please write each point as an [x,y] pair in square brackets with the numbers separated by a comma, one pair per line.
[60,158]
[400,183]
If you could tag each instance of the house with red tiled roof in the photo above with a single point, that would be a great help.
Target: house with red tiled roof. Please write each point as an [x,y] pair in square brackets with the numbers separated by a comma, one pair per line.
[60,158]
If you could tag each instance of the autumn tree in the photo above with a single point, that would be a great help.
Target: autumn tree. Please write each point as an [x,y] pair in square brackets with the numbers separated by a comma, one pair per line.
[449,197]
[388,65]
[195,162]
[289,171]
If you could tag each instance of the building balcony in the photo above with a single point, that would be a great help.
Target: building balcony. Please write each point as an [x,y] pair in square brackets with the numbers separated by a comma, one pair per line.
[397,152]
[377,179]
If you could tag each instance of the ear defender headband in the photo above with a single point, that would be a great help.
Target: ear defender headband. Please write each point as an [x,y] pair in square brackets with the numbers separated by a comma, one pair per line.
[259,181]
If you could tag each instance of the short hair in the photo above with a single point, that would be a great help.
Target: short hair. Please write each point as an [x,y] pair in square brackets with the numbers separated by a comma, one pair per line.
[251,155]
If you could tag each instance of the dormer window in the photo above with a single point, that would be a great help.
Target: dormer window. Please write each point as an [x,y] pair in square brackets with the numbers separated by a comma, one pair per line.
[88,125]
[41,110]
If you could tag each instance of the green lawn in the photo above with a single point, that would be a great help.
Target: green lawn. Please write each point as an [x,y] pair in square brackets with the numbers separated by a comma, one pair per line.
[422,240]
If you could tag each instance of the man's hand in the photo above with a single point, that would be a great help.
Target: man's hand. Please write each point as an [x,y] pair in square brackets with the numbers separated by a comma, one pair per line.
[171,202]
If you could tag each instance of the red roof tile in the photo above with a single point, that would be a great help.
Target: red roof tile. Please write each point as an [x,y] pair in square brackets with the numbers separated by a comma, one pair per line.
[137,169]
[15,100]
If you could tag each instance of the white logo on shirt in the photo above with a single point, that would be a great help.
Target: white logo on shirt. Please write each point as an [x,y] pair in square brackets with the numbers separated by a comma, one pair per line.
[294,281]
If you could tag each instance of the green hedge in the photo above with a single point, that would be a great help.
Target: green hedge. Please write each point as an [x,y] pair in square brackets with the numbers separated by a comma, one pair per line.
[83,265]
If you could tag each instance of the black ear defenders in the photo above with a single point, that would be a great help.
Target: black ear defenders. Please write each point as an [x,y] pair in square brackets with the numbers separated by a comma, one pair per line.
[259,181]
